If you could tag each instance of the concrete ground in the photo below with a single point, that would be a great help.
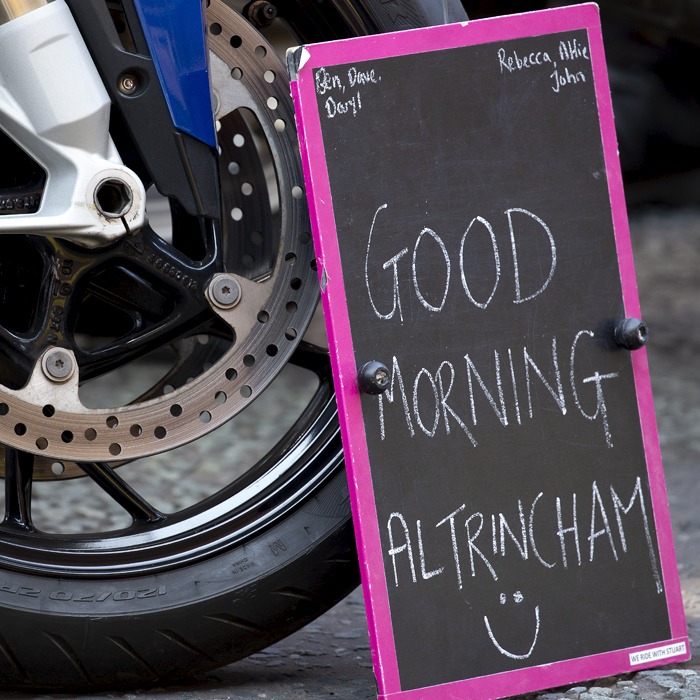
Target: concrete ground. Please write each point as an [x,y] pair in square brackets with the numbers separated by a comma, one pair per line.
[331,658]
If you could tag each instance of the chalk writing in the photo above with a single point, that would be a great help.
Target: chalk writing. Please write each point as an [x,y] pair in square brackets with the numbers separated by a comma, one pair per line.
[550,527]
[501,477]
[393,264]
[354,104]
[515,62]
[569,50]
[509,653]
[338,104]
[432,385]
[567,78]
[325,82]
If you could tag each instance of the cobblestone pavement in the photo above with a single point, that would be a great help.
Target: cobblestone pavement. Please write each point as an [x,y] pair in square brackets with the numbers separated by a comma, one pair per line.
[330,658]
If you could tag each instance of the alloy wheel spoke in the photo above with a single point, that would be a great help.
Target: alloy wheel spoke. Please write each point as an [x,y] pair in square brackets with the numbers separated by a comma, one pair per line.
[52,315]
[173,269]
[124,289]
[21,350]
[13,349]
[115,487]
[19,467]
[135,345]
[41,325]
[312,357]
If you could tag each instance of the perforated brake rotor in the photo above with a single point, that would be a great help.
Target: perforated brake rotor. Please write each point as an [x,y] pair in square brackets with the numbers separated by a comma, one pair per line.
[268,321]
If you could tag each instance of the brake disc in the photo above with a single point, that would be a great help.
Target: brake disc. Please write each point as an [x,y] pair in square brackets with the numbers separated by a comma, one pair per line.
[279,291]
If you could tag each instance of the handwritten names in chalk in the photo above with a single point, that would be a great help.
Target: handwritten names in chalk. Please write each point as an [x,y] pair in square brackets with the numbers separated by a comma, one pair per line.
[337,103]
[569,50]
[513,62]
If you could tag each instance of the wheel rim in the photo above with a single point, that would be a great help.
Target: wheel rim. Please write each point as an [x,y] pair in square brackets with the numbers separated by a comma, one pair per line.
[46,418]
[303,459]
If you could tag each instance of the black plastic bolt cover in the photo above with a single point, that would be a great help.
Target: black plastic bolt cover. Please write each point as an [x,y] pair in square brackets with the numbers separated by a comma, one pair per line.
[373,378]
[631,333]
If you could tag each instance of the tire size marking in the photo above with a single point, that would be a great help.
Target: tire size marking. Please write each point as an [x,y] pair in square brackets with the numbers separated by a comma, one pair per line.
[85,597]
[116,595]
[20,590]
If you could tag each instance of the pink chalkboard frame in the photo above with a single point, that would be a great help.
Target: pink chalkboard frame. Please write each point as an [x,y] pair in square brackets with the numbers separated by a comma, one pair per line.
[343,358]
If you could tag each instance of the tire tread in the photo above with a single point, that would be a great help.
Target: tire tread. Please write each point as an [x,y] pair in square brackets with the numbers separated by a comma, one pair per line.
[182,642]
[70,654]
[128,649]
[13,660]
[234,621]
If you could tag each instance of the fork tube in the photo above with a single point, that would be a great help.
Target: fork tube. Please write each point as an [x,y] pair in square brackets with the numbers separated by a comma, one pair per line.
[11,9]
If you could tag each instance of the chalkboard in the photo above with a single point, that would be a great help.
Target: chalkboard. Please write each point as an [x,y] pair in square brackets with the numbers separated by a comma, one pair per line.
[471,235]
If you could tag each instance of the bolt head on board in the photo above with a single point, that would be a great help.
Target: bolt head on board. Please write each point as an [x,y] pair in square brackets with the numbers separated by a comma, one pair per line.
[631,333]
[58,365]
[224,291]
[373,378]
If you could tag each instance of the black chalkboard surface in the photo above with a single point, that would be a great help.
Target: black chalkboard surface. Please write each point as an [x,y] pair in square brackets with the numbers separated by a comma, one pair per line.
[471,236]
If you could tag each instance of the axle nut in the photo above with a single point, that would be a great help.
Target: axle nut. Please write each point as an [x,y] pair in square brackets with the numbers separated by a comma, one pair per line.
[225,291]
[58,365]
[113,198]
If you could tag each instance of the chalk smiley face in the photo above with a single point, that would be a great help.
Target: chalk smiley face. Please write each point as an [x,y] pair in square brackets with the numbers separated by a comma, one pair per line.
[518,598]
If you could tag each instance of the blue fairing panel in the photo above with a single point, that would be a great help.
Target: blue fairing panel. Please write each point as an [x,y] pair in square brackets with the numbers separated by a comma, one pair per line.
[175,33]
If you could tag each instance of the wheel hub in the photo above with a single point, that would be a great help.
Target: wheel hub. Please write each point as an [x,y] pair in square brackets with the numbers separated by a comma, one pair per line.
[267,320]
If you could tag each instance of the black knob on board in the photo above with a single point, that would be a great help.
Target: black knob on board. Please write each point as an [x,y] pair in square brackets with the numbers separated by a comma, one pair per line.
[373,378]
[631,333]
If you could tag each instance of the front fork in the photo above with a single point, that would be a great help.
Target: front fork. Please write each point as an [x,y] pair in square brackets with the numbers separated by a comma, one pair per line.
[54,105]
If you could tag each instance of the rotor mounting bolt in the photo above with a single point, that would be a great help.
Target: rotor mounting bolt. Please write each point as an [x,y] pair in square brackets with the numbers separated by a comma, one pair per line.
[225,291]
[261,13]
[128,84]
[58,365]
[631,333]
[373,378]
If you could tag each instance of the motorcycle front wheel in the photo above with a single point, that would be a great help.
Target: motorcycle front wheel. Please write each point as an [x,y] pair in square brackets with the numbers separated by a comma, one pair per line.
[168,595]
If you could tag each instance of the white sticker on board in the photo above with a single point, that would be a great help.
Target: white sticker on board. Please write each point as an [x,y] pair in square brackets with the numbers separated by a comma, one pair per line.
[656,654]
